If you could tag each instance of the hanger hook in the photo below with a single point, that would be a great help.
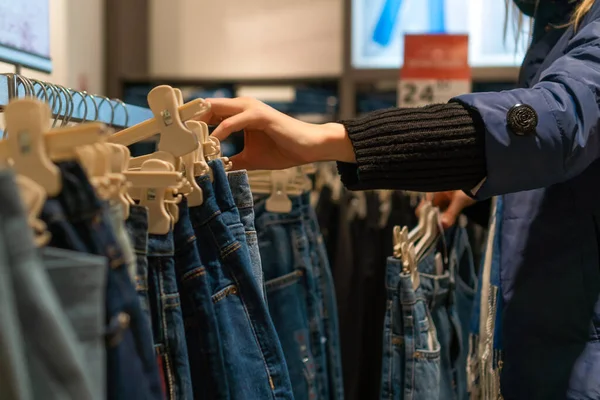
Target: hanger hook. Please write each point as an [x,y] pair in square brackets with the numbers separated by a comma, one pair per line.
[26,85]
[60,104]
[91,96]
[69,106]
[84,104]
[42,89]
[61,114]
[112,108]
[126,124]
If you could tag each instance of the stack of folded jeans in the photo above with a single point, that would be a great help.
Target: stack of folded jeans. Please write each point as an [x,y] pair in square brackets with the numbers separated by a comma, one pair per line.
[301,297]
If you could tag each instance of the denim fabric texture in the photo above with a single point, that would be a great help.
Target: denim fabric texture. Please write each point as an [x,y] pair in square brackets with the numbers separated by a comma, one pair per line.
[411,354]
[137,228]
[440,295]
[167,319]
[55,362]
[14,379]
[293,300]
[254,361]
[124,240]
[207,368]
[79,221]
[80,282]
[331,332]
[463,266]
[242,196]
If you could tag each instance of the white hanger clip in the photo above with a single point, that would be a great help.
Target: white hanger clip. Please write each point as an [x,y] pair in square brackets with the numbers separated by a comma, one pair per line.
[278,201]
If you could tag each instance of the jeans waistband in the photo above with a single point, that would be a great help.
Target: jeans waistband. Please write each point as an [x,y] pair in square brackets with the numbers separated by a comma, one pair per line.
[137,225]
[264,218]
[183,233]
[221,186]
[217,195]
[77,196]
[240,188]
[161,245]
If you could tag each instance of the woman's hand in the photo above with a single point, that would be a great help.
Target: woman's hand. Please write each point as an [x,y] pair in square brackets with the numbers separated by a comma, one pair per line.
[273,140]
[451,204]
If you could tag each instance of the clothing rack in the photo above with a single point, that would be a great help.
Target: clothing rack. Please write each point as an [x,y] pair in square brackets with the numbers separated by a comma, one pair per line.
[76,106]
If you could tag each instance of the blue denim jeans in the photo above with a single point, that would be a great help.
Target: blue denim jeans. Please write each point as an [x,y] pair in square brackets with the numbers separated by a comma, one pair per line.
[137,228]
[79,221]
[207,368]
[242,195]
[124,240]
[39,348]
[80,282]
[411,352]
[331,334]
[440,295]
[254,362]
[293,297]
[463,267]
[167,319]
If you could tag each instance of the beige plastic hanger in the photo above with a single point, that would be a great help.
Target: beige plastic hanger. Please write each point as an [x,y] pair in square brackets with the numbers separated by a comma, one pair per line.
[419,230]
[119,162]
[168,120]
[278,201]
[156,178]
[33,197]
[26,122]
[196,197]
[432,232]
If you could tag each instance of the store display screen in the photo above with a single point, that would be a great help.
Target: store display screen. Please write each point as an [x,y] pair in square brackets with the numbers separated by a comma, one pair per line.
[379,26]
[25,33]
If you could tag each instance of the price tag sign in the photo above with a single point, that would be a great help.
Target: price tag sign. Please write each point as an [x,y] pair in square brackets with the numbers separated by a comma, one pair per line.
[436,68]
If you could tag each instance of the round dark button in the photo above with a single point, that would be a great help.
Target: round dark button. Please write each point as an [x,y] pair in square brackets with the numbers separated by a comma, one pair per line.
[522,119]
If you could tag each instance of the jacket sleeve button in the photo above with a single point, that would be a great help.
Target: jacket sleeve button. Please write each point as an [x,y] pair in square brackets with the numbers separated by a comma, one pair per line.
[522,119]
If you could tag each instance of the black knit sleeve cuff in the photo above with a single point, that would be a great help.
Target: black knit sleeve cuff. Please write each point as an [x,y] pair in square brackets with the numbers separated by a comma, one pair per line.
[429,149]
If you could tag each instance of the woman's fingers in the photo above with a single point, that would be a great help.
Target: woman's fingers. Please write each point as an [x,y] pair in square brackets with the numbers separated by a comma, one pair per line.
[235,123]
[459,202]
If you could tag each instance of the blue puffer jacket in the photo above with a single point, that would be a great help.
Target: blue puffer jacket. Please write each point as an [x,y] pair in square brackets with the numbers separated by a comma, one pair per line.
[549,238]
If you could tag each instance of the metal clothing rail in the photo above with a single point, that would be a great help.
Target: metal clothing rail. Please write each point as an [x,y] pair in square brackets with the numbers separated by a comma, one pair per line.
[71,105]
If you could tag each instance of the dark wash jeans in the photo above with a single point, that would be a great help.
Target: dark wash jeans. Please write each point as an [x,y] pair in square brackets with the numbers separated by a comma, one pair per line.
[167,320]
[293,297]
[137,227]
[411,353]
[334,378]
[79,221]
[254,362]
[207,368]
[240,188]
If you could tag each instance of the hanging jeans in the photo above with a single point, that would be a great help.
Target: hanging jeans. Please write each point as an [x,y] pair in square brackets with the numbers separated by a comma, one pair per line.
[332,369]
[137,228]
[293,296]
[240,188]
[207,368]
[411,353]
[254,362]
[79,221]
[440,295]
[463,267]
[167,319]
[80,282]
[39,349]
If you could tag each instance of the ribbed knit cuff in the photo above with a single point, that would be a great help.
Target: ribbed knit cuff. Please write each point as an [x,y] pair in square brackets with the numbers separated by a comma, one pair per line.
[430,149]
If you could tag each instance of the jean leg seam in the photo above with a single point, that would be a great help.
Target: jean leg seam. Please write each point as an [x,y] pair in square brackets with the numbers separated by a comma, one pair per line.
[165,330]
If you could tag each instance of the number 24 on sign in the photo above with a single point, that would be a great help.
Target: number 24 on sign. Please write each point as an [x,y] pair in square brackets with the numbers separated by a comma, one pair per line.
[420,92]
